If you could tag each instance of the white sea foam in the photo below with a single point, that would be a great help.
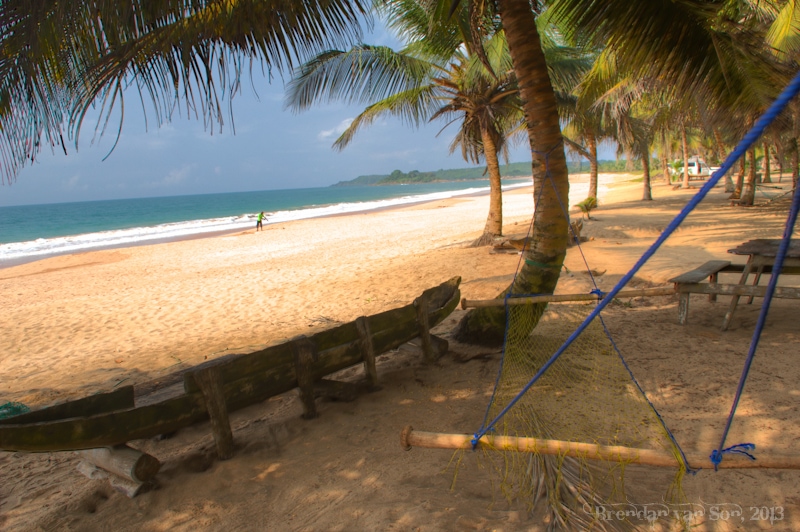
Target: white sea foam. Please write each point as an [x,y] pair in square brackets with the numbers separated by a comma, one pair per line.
[18,252]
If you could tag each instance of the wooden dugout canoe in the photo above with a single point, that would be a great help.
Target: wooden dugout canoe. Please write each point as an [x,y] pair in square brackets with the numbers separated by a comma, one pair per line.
[112,419]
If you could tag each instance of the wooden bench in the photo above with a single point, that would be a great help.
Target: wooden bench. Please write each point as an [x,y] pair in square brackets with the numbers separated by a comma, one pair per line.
[691,282]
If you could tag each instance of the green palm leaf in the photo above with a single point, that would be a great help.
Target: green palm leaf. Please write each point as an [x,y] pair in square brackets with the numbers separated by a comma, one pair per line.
[58,59]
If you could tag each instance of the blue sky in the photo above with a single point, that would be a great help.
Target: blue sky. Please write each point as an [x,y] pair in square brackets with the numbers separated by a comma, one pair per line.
[272,148]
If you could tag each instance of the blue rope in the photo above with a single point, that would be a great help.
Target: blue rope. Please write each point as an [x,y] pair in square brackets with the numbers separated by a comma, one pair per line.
[539,193]
[716,456]
[739,448]
[750,138]
[499,371]
[641,391]
[519,265]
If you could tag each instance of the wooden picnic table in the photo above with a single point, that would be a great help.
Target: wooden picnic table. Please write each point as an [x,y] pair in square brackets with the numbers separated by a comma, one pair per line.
[761,254]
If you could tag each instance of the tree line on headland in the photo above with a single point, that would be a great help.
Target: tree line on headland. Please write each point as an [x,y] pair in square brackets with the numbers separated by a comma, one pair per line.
[512,170]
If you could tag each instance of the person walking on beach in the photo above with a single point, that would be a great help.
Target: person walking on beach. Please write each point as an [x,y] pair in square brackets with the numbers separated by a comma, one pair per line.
[259,225]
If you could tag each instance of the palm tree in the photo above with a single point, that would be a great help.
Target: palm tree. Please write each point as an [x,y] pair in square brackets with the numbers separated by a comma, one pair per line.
[584,129]
[488,108]
[417,87]
[634,117]
[692,47]
[545,255]
[721,151]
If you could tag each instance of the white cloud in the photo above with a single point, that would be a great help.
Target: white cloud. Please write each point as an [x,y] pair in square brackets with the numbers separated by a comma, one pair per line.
[173,178]
[335,132]
[72,182]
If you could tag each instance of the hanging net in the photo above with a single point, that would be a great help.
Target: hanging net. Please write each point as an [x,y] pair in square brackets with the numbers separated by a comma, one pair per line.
[587,396]
[564,384]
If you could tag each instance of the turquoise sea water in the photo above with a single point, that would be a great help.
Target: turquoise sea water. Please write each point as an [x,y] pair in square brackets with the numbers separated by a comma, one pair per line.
[35,231]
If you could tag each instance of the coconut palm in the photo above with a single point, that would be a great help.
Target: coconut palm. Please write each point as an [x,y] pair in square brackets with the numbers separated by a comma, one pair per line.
[417,86]
[429,80]
[692,48]
[634,112]
[584,129]
[630,111]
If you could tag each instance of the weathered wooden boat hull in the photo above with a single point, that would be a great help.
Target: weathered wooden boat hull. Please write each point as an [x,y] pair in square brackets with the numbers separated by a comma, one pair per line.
[247,380]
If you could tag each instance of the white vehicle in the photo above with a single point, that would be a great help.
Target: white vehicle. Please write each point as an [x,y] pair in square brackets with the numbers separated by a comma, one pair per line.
[696,166]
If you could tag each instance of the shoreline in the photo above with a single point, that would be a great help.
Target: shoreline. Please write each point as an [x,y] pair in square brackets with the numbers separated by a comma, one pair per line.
[581,178]
[8,263]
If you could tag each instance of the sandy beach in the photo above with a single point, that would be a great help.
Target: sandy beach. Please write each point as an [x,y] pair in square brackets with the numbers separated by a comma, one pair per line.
[80,324]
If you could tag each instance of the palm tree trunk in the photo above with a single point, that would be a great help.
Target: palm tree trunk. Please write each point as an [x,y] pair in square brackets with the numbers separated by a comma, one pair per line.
[737,190]
[665,157]
[494,221]
[543,261]
[749,192]
[647,193]
[721,151]
[685,157]
[540,271]
[592,142]
[766,178]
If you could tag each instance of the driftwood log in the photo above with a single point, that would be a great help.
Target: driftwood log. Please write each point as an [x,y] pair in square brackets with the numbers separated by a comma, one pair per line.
[123,461]
[129,488]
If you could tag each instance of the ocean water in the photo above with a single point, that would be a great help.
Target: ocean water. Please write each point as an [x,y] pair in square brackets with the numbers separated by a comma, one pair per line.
[33,232]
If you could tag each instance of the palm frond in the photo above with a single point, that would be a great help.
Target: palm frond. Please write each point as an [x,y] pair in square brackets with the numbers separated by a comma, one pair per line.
[412,107]
[692,46]
[419,22]
[363,74]
[784,33]
[60,58]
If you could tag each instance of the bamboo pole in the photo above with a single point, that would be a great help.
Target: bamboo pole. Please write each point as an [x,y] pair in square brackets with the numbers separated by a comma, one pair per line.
[560,298]
[697,460]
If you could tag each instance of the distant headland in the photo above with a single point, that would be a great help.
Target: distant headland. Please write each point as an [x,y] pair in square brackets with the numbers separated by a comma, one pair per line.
[512,170]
